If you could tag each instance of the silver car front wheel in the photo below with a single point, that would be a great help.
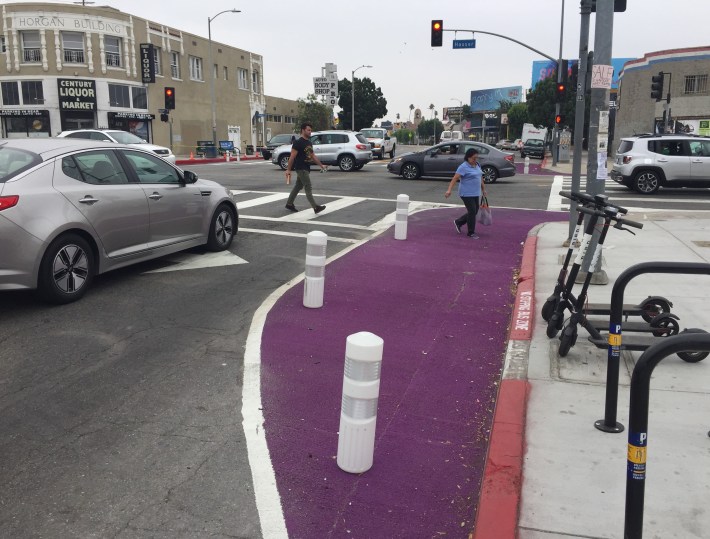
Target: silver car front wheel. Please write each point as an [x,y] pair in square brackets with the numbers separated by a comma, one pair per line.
[346,163]
[222,229]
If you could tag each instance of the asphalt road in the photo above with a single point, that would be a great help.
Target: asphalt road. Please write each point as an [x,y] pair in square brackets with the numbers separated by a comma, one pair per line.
[120,413]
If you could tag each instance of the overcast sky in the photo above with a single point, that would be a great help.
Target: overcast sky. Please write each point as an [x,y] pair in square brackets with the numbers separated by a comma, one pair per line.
[297,38]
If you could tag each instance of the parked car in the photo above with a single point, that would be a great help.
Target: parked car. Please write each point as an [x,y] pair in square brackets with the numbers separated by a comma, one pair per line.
[346,149]
[443,159]
[276,141]
[647,162]
[119,137]
[72,209]
[516,145]
[533,147]
[503,143]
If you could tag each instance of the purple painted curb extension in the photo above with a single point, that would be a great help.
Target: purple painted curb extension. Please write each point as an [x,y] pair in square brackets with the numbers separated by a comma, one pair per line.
[442,303]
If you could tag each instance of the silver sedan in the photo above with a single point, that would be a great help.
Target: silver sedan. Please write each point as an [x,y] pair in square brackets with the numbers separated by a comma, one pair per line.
[72,209]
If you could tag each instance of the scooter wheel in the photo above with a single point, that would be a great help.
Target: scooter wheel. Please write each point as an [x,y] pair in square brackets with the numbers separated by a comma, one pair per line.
[667,325]
[689,356]
[549,308]
[653,307]
[567,340]
[554,324]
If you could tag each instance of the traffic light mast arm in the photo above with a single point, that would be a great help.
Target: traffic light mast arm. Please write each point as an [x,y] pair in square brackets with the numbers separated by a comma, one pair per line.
[505,37]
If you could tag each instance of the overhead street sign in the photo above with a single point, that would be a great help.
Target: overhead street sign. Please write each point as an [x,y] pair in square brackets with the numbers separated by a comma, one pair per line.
[464,43]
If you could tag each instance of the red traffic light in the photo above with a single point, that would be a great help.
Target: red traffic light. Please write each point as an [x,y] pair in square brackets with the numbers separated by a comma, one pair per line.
[169,98]
[437,33]
[559,119]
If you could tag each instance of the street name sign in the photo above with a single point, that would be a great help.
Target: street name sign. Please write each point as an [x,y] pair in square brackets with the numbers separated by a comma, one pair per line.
[464,43]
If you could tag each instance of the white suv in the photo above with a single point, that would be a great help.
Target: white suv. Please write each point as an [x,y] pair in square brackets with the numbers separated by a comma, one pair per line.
[347,149]
[646,162]
[120,137]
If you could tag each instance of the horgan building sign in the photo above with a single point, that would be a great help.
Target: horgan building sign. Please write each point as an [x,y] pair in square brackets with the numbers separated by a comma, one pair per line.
[77,94]
[31,21]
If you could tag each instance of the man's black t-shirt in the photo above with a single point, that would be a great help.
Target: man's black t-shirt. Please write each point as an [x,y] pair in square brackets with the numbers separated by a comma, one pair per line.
[303,160]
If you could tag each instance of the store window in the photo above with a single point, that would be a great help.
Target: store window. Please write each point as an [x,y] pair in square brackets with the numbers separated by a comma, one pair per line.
[140,97]
[30,46]
[255,82]
[156,60]
[242,79]
[26,124]
[196,68]
[175,65]
[113,51]
[10,95]
[118,96]
[73,46]
[696,84]
[32,92]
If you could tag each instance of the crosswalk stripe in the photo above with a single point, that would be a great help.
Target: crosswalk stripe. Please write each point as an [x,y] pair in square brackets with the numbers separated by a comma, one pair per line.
[268,199]
[331,207]
[296,234]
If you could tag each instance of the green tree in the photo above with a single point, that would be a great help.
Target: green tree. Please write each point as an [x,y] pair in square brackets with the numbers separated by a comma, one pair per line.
[317,113]
[370,104]
[517,116]
[541,104]
[430,129]
[404,136]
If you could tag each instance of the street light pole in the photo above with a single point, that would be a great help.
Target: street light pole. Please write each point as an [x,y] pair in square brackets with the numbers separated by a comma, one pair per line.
[353,94]
[212,73]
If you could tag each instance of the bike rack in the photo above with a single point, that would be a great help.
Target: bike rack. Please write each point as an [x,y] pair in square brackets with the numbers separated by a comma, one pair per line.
[609,423]
[638,421]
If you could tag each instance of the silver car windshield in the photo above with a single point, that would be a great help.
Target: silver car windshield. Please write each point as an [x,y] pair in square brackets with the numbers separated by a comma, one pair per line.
[14,161]
[124,137]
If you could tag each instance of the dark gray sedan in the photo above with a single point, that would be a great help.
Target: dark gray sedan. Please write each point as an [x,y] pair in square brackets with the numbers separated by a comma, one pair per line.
[443,159]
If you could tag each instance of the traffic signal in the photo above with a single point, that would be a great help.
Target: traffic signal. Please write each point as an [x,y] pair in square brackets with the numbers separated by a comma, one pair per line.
[560,91]
[164,117]
[559,120]
[437,33]
[169,98]
[657,86]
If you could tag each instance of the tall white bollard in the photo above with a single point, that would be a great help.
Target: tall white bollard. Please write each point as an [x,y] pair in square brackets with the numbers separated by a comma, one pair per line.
[401,216]
[526,167]
[314,283]
[358,412]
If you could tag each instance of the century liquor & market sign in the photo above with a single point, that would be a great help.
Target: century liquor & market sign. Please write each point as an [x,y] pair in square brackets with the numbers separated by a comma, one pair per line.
[77,94]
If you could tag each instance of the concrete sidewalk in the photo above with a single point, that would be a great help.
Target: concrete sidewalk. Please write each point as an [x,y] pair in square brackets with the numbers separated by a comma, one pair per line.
[575,475]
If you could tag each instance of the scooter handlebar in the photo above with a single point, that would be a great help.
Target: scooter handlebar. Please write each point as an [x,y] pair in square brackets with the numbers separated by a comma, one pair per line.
[627,222]
[611,215]
[585,198]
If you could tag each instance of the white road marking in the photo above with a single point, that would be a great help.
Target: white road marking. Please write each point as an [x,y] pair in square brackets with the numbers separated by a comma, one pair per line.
[268,199]
[307,214]
[295,234]
[190,261]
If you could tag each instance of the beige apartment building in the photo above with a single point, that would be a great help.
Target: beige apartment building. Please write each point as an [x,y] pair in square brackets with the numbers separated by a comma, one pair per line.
[73,66]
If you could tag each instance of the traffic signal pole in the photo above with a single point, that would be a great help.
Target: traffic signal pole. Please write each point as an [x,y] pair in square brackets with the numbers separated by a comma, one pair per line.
[598,123]
[555,131]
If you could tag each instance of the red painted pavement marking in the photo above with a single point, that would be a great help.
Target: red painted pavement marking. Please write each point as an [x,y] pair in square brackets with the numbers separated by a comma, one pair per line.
[527,266]
[522,319]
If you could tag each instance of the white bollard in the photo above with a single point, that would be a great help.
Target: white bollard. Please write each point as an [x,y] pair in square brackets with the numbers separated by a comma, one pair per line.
[402,213]
[226,155]
[526,167]
[358,412]
[314,283]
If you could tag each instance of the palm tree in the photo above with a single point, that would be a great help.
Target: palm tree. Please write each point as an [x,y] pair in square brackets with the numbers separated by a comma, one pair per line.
[411,108]
[431,108]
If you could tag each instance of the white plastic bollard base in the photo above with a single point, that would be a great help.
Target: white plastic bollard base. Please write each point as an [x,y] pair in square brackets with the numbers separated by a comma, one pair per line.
[358,413]
[313,289]
[226,155]
[526,167]
[314,282]
[401,216]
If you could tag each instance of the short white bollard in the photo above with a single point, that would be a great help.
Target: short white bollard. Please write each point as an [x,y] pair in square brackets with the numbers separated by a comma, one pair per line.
[527,165]
[358,412]
[401,215]
[226,154]
[314,283]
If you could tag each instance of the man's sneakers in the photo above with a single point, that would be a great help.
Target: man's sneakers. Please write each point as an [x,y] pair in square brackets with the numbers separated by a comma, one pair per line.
[458,226]
[291,207]
[319,209]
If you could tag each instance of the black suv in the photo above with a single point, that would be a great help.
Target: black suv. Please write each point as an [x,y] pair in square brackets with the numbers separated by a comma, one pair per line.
[646,162]
[534,147]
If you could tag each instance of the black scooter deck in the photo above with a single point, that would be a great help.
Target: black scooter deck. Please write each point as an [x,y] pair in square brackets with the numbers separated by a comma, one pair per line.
[603,324]
[637,343]
[627,309]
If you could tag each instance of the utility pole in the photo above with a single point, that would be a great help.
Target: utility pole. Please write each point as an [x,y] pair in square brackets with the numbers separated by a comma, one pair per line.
[599,123]
[558,105]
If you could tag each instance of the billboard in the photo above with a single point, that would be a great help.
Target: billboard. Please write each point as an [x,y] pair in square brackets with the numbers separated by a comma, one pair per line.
[483,100]
[543,69]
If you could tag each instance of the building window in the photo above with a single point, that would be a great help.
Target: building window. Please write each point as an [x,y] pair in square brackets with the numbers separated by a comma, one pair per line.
[118,96]
[2,43]
[696,84]
[215,71]
[195,68]
[30,47]
[242,79]
[140,97]
[175,64]
[278,118]
[113,51]
[10,95]
[32,92]
[73,45]
[156,60]
[255,82]
[225,73]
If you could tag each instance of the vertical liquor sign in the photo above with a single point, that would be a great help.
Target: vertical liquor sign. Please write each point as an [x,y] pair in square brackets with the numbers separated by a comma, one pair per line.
[147,63]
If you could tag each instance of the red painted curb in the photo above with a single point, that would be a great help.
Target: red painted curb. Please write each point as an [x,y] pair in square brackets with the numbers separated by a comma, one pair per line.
[204,161]
[499,502]
[527,266]
[521,324]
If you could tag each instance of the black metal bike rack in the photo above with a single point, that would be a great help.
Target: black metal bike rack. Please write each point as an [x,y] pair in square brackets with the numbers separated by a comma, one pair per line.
[609,423]
[638,421]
